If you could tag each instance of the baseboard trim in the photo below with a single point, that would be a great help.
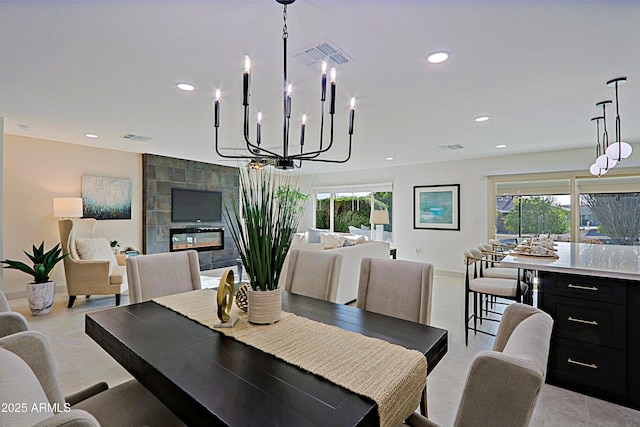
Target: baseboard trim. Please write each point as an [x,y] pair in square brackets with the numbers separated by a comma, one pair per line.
[452,274]
[23,294]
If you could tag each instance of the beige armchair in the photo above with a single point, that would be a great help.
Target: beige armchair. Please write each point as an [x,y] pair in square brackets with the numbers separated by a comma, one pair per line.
[86,276]
[28,377]
[157,275]
[503,385]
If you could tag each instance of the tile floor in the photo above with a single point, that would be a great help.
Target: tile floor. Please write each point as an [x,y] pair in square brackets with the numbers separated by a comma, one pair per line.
[81,362]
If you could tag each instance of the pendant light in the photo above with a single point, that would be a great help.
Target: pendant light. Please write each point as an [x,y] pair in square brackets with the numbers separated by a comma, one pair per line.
[595,169]
[619,150]
[603,161]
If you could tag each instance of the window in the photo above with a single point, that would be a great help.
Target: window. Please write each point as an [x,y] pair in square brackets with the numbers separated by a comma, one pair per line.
[529,208]
[608,208]
[610,211]
[348,209]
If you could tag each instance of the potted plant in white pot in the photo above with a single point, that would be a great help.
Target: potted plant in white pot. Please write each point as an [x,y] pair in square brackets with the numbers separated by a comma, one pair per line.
[40,292]
[262,223]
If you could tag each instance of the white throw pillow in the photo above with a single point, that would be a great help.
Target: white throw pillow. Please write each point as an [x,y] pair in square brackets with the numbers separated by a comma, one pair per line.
[331,241]
[298,239]
[96,249]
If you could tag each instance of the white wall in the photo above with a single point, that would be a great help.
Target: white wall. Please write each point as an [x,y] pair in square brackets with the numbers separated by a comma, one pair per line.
[35,172]
[444,248]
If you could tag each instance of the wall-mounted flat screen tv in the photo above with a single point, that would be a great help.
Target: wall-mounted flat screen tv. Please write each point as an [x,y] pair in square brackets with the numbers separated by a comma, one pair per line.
[195,205]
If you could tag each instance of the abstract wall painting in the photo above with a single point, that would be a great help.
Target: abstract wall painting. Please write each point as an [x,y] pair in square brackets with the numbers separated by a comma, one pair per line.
[106,198]
[436,207]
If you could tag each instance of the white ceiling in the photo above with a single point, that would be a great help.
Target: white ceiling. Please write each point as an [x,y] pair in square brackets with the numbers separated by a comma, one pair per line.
[110,67]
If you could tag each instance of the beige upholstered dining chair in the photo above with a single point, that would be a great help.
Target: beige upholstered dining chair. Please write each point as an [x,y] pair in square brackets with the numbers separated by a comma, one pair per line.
[313,273]
[157,275]
[28,376]
[396,288]
[10,321]
[503,385]
[91,268]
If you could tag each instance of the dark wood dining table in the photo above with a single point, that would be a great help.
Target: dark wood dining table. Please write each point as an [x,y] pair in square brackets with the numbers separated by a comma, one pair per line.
[208,379]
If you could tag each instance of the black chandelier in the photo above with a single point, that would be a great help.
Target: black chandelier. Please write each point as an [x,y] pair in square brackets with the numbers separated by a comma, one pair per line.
[257,155]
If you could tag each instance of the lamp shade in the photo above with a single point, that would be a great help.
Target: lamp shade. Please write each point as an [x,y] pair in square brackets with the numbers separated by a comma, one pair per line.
[379,217]
[604,162]
[619,150]
[67,207]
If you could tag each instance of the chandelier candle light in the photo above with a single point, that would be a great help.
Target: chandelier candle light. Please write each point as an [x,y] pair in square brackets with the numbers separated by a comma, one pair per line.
[259,156]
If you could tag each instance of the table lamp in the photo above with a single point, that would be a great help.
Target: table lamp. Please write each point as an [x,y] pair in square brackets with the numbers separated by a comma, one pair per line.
[67,207]
[378,219]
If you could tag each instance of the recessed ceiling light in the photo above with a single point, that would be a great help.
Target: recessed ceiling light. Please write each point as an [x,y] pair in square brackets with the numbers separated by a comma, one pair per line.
[187,87]
[438,57]
[481,119]
[91,135]
[501,146]
[389,158]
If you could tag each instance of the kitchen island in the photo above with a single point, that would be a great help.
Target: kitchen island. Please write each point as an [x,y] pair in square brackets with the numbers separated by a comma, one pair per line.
[593,294]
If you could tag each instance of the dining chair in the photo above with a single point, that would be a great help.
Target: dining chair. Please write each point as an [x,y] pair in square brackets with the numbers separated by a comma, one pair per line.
[397,288]
[28,376]
[504,384]
[10,321]
[313,273]
[156,275]
[479,288]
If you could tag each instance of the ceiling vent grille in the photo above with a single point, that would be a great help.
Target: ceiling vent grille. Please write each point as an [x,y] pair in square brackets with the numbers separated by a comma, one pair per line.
[134,137]
[451,147]
[323,50]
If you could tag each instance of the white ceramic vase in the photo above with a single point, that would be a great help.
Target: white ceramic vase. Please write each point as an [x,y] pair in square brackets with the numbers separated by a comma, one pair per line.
[264,307]
[40,297]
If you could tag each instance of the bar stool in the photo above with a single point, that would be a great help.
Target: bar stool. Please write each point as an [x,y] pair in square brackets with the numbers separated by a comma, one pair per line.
[480,287]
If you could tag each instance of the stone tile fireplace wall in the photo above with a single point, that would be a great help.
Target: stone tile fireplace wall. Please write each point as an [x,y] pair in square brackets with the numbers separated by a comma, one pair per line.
[161,174]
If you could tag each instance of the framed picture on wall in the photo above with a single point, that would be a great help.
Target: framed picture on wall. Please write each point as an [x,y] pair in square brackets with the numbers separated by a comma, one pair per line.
[106,198]
[436,207]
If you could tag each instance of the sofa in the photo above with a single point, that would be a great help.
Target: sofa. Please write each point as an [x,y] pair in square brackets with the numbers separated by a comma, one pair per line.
[352,254]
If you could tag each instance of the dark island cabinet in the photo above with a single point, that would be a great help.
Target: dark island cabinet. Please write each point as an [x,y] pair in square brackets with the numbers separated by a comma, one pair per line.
[595,347]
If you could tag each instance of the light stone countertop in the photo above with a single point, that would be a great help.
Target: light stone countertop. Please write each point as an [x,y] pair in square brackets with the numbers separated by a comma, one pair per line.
[615,261]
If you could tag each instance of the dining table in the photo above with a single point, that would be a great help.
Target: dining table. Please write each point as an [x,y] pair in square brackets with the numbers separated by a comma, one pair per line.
[207,378]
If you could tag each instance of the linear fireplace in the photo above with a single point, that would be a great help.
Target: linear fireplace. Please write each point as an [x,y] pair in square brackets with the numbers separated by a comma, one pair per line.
[201,239]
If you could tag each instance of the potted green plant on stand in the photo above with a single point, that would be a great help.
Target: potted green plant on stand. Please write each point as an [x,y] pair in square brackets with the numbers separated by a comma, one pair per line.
[262,221]
[41,291]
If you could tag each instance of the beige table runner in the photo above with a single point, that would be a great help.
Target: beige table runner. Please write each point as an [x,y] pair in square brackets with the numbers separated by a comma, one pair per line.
[390,375]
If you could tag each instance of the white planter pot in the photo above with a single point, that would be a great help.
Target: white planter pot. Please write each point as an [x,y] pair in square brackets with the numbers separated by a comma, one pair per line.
[264,307]
[40,297]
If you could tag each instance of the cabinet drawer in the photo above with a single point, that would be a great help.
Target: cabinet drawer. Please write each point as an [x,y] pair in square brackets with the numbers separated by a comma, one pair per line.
[596,367]
[588,321]
[585,287]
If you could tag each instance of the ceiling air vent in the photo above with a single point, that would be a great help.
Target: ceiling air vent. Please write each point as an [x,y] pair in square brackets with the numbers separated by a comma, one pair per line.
[134,137]
[451,147]
[323,50]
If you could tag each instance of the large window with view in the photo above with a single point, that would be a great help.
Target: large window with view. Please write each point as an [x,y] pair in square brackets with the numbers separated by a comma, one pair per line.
[603,210]
[610,210]
[349,210]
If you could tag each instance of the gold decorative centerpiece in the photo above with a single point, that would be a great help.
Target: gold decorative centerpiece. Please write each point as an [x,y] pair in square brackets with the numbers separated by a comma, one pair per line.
[242,298]
[262,221]
[225,301]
